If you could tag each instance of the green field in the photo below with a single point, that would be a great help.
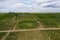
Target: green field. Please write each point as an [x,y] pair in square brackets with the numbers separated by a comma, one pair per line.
[27,24]
[21,21]
[6,16]
[48,15]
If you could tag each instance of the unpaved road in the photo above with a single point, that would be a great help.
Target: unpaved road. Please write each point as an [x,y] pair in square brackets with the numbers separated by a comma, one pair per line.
[31,29]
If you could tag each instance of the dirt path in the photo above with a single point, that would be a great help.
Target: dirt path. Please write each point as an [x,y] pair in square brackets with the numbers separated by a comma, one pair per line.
[40,24]
[31,29]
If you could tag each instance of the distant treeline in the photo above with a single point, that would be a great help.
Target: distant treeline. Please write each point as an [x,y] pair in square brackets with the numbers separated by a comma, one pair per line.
[30,12]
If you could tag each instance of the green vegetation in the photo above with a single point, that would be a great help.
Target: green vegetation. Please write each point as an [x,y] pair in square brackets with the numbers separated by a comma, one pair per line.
[6,25]
[2,35]
[48,15]
[17,21]
[53,34]
[13,36]
[24,16]
[6,16]
[35,35]
[50,23]
[27,24]
[29,20]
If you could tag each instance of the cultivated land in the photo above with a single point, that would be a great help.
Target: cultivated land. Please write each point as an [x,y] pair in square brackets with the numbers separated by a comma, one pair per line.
[29,26]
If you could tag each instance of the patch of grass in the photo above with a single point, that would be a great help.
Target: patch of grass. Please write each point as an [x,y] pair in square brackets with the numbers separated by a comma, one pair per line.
[49,23]
[27,24]
[13,36]
[48,15]
[57,21]
[41,16]
[53,34]
[27,35]
[6,25]
[7,16]
[2,35]
[54,16]
[24,16]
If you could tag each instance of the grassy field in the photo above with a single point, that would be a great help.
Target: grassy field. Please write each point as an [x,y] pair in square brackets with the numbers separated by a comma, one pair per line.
[24,16]
[18,21]
[48,15]
[27,24]
[6,16]
[29,20]
[50,23]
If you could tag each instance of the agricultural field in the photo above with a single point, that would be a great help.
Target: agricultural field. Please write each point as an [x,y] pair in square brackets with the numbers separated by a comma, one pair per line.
[29,20]
[29,26]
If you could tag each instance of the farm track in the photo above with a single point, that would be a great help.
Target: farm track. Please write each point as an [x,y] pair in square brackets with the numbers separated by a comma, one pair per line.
[37,29]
